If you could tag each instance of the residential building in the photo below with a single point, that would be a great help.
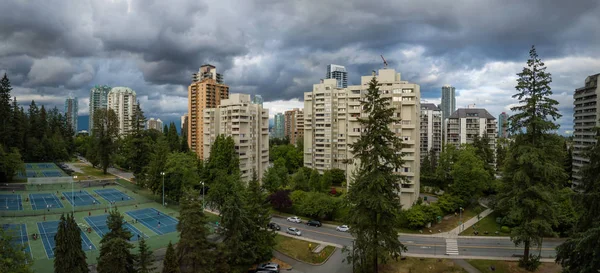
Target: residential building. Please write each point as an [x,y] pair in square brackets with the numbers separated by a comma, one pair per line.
[466,123]
[503,125]
[294,125]
[431,130]
[586,102]
[257,99]
[184,121]
[331,125]
[71,108]
[339,73]
[98,100]
[448,104]
[122,101]
[155,124]
[279,126]
[206,91]
[248,124]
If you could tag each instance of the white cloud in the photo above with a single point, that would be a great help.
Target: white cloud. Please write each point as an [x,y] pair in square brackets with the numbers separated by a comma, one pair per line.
[280,106]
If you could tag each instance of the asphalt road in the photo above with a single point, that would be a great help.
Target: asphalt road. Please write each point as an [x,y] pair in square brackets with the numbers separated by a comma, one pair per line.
[482,246]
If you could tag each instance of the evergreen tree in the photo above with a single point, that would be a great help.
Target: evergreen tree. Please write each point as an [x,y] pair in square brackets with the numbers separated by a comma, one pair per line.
[470,176]
[106,132]
[10,163]
[326,180]
[533,168]
[170,264]
[158,160]
[261,240]
[5,111]
[579,254]
[138,120]
[68,254]
[220,263]
[299,181]
[181,173]
[236,227]
[314,183]
[373,196]
[444,166]
[173,138]
[13,256]
[194,249]
[166,130]
[500,153]
[484,152]
[568,163]
[426,168]
[115,255]
[145,259]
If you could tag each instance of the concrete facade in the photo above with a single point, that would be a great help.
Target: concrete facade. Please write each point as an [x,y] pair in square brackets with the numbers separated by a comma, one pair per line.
[339,73]
[248,124]
[448,104]
[431,130]
[155,124]
[98,100]
[206,91]
[465,123]
[294,125]
[71,112]
[122,100]
[585,118]
[330,125]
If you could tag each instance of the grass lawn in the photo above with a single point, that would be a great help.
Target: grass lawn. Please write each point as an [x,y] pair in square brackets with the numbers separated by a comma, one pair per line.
[488,224]
[452,222]
[299,249]
[422,266]
[91,171]
[512,267]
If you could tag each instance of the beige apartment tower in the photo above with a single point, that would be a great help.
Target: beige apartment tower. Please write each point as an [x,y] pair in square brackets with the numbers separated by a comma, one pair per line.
[206,91]
[586,118]
[330,125]
[466,123]
[294,125]
[122,101]
[431,130]
[248,124]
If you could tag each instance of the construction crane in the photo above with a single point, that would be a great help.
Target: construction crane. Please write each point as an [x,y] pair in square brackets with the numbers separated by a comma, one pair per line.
[384,61]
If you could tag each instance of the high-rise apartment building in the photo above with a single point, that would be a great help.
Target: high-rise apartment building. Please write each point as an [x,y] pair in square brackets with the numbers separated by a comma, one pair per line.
[71,108]
[248,124]
[503,125]
[155,124]
[586,102]
[184,120]
[331,125]
[339,73]
[122,101]
[294,125]
[98,100]
[257,99]
[466,123]
[279,126]
[431,130]
[448,104]
[206,91]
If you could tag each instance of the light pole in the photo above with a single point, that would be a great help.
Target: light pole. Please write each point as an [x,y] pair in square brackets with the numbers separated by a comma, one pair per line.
[203,207]
[163,175]
[460,224]
[73,194]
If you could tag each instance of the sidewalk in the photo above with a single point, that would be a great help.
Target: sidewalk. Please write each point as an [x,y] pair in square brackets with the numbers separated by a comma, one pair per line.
[454,233]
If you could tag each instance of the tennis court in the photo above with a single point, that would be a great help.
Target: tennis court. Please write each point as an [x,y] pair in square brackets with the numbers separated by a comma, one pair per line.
[151,218]
[80,198]
[98,223]
[10,202]
[44,201]
[47,232]
[18,232]
[113,195]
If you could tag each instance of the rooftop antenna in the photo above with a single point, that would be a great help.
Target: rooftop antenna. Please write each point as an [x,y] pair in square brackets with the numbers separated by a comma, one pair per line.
[384,62]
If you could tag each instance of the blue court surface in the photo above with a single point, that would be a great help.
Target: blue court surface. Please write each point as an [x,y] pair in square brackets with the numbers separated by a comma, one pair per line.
[18,232]
[44,201]
[98,223]
[113,195]
[80,198]
[151,217]
[10,202]
[53,173]
[47,232]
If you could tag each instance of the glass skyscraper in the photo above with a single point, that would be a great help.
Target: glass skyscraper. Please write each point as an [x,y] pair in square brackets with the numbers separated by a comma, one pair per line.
[448,101]
[279,126]
[339,73]
[98,100]
[71,108]
[258,99]
[503,125]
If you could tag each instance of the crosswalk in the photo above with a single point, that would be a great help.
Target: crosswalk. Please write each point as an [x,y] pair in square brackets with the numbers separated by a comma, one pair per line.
[451,247]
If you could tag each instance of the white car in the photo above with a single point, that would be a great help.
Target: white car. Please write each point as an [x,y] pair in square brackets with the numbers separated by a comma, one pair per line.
[294,231]
[342,228]
[294,219]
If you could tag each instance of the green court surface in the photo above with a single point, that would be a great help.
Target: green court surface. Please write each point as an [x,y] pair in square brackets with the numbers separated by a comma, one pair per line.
[41,170]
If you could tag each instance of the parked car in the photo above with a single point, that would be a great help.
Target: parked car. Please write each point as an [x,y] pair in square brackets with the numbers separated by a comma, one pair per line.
[294,219]
[268,267]
[313,223]
[294,231]
[342,228]
[274,226]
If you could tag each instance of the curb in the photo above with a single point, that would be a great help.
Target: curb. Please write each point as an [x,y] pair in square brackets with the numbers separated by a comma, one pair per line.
[309,240]
[319,264]
[465,257]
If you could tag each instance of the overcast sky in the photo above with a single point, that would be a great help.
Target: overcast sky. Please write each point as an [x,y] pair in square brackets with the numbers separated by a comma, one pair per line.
[280,48]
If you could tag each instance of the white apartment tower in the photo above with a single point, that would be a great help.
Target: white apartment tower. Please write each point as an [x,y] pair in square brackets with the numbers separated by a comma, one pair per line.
[586,102]
[98,100]
[466,123]
[155,124]
[330,125]
[431,130]
[248,124]
[122,101]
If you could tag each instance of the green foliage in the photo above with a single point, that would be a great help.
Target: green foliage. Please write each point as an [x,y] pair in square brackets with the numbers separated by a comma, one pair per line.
[505,229]
[326,180]
[485,152]
[236,227]
[10,163]
[419,215]
[158,159]
[115,255]
[275,177]
[105,132]
[261,240]
[145,259]
[373,195]
[5,110]
[170,264]
[469,176]
[180,174]
[316,205]
[68,255]
[314,183]
[13,257]
[338,176]
[444,167]
[293,157]
[533,167]
[426,167]
[530,264]
[568,163]
[501,152]
[280,200]
[193,250]
[173,138]
[299,180]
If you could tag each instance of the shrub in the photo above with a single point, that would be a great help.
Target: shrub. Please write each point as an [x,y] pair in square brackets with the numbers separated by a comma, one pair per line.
[505,229]
[532,264]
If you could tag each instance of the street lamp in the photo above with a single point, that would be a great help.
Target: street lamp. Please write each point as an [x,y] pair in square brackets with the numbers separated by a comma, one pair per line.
[73,194]
[460,221]
[163,175]
[203,207]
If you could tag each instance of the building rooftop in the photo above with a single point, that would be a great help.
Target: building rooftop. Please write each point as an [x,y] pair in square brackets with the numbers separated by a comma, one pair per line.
[471,112]
[429,106]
